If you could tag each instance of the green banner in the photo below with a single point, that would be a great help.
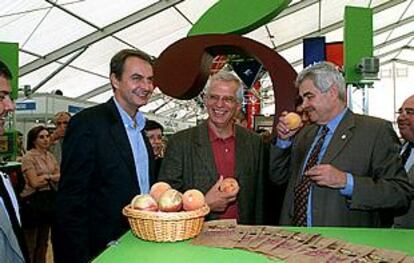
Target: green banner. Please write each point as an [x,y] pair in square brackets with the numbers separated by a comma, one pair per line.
[9,54]
[358,41]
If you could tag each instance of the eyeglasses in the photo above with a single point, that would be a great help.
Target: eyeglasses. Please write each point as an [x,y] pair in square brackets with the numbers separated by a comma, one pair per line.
[225,99]
[408,111]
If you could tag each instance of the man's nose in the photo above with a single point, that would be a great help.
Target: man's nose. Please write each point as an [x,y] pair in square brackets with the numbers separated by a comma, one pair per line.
[8,104]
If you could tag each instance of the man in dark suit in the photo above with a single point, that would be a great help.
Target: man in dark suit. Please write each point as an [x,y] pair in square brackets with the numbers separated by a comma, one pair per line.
[202,156]
[106,161]
[405,123]
[12,243]
[342,170]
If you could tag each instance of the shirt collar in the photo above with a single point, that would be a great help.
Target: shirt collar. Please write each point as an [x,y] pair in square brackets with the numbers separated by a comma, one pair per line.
[335,121]
[128,121]
[214,137]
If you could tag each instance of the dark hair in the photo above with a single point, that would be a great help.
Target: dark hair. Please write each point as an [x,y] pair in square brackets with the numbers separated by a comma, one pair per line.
[32,136]
[153,125]
[5,71]
[118,60]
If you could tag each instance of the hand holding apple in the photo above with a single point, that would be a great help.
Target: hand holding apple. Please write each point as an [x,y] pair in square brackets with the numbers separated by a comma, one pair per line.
[293,120]
[284,132]
[229,185]
[217,200]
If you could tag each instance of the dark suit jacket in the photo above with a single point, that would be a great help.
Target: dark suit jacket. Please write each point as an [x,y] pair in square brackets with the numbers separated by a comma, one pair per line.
[98,178]
[189,163]
[407,220]
[366,147]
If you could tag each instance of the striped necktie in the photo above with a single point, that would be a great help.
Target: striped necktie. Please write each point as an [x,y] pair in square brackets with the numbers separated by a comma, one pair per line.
[407,152]
[301,191]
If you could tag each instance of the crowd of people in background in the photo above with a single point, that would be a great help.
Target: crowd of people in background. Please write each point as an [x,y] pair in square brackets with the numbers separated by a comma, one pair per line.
[338,168]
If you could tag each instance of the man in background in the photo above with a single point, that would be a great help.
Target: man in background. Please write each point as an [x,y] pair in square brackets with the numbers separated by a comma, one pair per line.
[200,157]
[56,138]
[405,123]
[106,161]
[343,169]
[13,248]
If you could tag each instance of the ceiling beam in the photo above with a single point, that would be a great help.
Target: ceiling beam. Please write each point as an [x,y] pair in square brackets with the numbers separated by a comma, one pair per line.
[95,92]
[107,87]
[401,61]
[295,7]
[98,35]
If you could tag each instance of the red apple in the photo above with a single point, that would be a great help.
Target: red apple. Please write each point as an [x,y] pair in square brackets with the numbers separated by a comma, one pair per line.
[229,185]
[144,202]
[193,199]
[171,201]
[158,189]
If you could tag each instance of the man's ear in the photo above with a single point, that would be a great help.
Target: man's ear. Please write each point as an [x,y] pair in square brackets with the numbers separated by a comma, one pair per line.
[114,81]
[333,91]
[205,100]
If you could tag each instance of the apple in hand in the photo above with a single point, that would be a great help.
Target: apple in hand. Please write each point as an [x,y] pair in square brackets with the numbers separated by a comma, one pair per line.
[193,199]
[171,201]
[229,185]
[144,202]
[158,189]
[293,120]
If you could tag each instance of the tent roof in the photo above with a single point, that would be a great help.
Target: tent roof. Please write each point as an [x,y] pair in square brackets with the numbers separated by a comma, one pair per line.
[86,33]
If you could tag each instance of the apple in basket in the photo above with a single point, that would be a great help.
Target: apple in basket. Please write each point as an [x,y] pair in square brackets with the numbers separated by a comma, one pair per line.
[144,202]
[170,201]
[158,189]
[193,199]
[229,185]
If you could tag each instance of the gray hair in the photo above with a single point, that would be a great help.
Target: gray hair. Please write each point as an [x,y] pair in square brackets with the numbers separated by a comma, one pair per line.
[226,76]
[323,75]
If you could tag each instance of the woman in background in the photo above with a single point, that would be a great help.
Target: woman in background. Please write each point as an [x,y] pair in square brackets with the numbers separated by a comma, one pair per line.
[41,173]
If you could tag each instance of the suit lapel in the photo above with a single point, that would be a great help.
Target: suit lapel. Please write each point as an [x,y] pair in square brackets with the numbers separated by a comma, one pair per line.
[119,135]
[304,145]
[241,150]
[204,152]
[342,135]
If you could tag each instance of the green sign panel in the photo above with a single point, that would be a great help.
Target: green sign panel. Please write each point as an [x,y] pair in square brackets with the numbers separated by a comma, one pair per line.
[357,40]
[9,54]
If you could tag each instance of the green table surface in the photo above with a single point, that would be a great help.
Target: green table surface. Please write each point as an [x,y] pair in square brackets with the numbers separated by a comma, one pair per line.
[132,249]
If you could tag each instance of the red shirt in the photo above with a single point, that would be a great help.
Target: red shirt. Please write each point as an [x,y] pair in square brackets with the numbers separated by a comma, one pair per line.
[224,151]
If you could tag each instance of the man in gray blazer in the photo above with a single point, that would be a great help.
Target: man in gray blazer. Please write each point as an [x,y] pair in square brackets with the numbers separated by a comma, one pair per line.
[12,244]
[405,122]
[356,172]
[200,157]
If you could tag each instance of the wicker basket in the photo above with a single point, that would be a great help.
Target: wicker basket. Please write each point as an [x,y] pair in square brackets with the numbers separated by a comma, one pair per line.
[165,226]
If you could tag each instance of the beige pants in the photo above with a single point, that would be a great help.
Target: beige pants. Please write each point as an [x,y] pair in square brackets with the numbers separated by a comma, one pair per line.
[37,239]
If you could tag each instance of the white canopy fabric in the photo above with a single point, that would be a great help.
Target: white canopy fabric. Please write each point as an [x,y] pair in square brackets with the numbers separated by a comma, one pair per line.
[86,33]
